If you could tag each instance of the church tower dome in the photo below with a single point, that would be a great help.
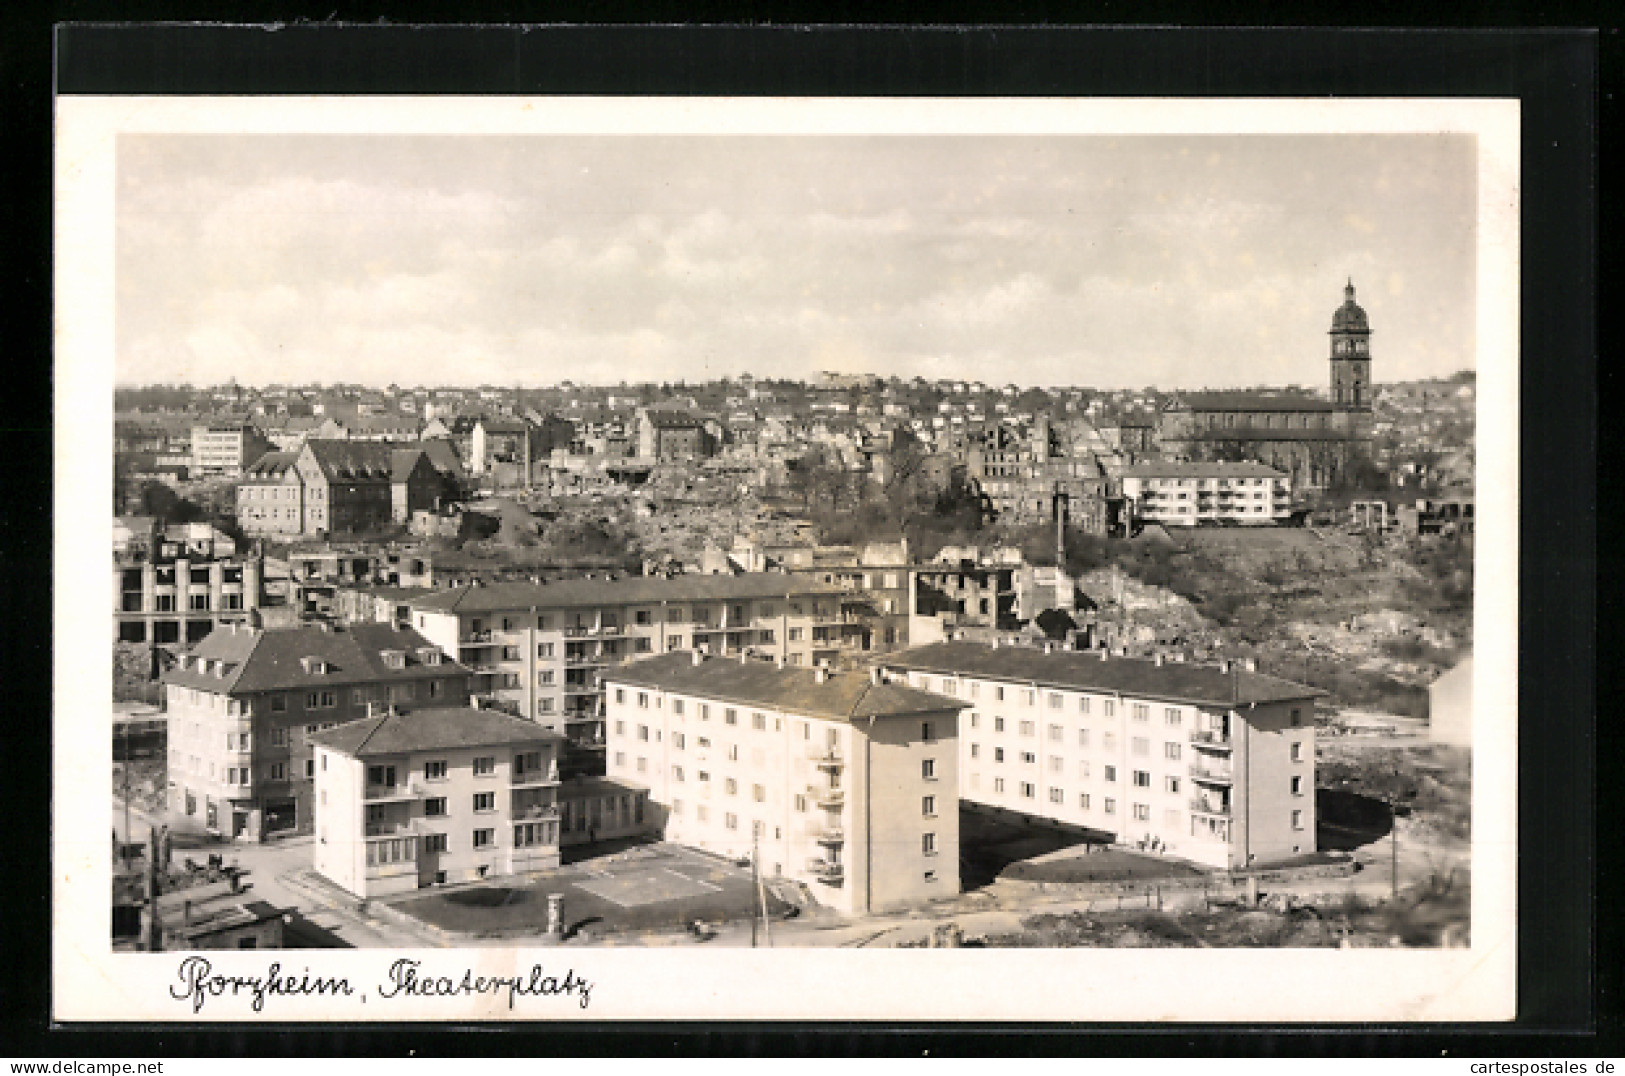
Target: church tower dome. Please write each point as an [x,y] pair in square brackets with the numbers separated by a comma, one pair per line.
[1351,355]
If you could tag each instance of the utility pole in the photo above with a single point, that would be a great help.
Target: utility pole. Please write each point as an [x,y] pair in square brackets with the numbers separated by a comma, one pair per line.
[761,892]
[755,881]
[1393,837]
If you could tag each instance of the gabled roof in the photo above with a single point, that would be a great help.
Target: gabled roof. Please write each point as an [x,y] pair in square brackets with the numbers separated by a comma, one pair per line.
[352,461]
[842,696]
[630,591]
[270,659]
[438,729]
[1186,682]
[271,465]
[1244,401]
[403,461]
[672,420]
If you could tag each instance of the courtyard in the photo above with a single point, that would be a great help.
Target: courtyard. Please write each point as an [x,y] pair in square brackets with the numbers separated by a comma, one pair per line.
[656,887]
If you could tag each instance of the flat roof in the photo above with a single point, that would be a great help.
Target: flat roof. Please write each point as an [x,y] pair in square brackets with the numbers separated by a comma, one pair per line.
[1172,681]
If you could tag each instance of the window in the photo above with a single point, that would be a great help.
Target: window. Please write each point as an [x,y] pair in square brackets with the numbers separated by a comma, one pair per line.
[1297,752]
[1141,712]
[483,838]
[975,719]
[434,843]
[705,713]
[702,812]
[620,758]
[731,786]
[733,752]
[1297,717]
[1110,806]
[485,801]
[998,724]
[975,750]
[758,722]
[731,821]
[1054,701]
[310,766]
[998,693]
[1297,786]
[998,784]
[1056,732]
[998,754]
[1142,779]
[620,694]
[1026,728]
[434,807]
[1110,773]
[928,844]
[1083,704]
[1297,819]
[1029,790]
[1172,785]
[927,733]
[643,700]
[279,704]
[643,733]
[1171,750]
[1142,812]
[1108,741]
[1029,697]
[928,769]
[1083,801]
[545,677]
[485,766]
[1057,764]
[1108,708]
[643,764]
[677,707]
[1083,737]
[1057,796]
[730,716]
[435,771]
[1140,745]
[1171,716]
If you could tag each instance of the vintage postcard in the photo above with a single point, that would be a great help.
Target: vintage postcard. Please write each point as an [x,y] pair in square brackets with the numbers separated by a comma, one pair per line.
[898,559]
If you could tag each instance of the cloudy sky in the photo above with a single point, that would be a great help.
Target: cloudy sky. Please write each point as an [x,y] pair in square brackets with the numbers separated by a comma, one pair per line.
[1184,261]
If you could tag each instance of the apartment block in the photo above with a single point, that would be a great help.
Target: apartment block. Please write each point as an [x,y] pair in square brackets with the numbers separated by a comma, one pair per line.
[541,649]
[225,448]
[1212,764]
[1188,494]
[425,797]
[842,781]
[245,703]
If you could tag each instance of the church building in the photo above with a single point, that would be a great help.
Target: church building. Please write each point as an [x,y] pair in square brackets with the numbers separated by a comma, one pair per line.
[1314,440]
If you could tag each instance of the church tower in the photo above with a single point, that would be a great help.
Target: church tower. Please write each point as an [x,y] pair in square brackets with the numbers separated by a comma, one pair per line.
[1351,356]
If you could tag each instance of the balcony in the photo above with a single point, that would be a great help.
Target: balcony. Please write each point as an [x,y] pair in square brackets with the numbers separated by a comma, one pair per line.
[825,757]
[829,797]
[1212,773]
[397,793]
[474,638]
[584,661]
[1208,805]
[573,688]
[536,778]
[536,812]
[1211,738]
[825,871]
[827,834]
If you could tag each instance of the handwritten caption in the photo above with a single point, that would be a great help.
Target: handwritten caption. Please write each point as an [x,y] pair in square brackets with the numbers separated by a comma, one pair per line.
[198,984]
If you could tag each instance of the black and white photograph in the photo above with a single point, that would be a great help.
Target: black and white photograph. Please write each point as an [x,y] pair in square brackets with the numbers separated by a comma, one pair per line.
[557,545]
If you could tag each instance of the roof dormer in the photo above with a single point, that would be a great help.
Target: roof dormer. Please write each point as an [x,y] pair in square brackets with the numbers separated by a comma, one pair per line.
[313,665]
[393,659]
[429,655]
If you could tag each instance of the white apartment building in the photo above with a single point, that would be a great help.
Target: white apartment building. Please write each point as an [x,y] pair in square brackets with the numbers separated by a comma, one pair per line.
[225,448]
[842,781]
[1212,764]
[1182,494]
[427,797]
[541,649]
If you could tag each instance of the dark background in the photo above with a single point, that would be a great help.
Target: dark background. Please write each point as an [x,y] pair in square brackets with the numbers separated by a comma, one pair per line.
[1569,958]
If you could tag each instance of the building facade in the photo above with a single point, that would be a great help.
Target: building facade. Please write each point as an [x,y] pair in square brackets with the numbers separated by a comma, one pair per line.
[1192,494]
[271,496]
[541,650]
[245,703]
[223,449]
[174,585]
[428,797]
[841,781]
[1215,765]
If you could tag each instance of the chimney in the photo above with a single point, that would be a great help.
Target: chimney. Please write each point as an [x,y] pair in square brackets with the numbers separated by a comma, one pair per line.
[1158,660]
[697,656]
[1224,665]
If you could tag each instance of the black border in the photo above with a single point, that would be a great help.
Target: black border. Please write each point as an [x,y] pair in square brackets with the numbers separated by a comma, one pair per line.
[1567,997]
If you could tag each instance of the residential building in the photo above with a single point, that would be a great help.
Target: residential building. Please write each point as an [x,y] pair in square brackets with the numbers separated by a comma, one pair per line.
[541,649]
[271,496]
[672,436]
[1192,494]
[244,703]
[424,797]
[841,781]
[1215,764]
[223,449]
[176,584]
[362,485]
